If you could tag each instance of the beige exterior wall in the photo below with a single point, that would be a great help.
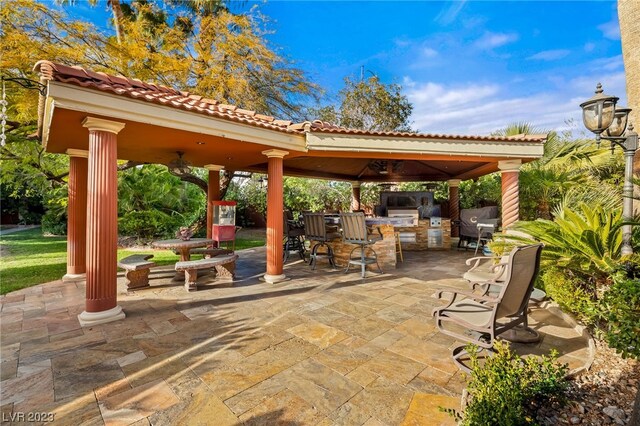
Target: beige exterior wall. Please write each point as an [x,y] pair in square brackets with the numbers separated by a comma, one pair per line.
[629,17]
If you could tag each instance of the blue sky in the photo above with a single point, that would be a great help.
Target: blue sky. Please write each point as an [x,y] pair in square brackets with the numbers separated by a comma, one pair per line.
[468,67]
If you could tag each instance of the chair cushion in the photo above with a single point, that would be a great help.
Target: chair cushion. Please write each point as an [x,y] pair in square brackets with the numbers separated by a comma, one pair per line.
[470,312]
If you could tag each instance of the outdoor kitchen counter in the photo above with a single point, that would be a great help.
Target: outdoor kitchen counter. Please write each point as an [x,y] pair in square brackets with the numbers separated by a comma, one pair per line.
[425,237]
[386,250]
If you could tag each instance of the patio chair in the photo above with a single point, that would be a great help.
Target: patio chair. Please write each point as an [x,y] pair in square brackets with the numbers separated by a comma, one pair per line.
[315,230]
[293,236]
[486,317]
[355,231]
[494,276]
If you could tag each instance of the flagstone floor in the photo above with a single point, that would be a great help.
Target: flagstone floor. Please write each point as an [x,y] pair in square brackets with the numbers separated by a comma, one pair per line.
[323,347]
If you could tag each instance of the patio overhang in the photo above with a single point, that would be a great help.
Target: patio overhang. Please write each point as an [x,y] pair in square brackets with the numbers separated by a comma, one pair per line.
[153,133]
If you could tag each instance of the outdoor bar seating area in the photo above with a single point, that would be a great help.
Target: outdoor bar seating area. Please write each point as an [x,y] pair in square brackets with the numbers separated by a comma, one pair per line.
[404,220]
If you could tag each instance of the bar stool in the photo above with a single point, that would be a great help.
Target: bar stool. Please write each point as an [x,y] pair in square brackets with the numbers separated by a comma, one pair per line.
[315,229]
[293,236]
[354,231]
[399,246]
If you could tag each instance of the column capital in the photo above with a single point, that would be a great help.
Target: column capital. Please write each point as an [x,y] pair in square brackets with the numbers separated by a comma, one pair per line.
[100,124]
[355,184]
[213,167]
[454,182]
[510,165]
[278,153]
[77,153]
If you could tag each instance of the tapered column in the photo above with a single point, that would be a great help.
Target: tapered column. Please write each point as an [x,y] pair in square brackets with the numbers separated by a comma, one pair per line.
[510,191]
[274,216]
[355,196]
[213,193]
[77,216]
[102,223]
[454,205]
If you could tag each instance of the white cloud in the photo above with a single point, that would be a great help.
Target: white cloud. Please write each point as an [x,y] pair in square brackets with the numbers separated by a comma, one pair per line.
[491,40]
[428,52]
[448,15]
[479,109]
[550,55]
[611,29]
[588,47]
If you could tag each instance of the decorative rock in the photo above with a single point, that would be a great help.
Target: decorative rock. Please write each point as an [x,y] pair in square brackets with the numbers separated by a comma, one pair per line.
[575,420]
[614,412]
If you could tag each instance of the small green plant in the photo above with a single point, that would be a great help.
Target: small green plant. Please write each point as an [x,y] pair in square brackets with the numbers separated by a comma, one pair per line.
[571,293]
[506,389]
[620,307]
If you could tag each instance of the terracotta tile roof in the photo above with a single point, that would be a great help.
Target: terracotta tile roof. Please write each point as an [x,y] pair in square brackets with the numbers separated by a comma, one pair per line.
[324,127]
[158,94]
[162,95]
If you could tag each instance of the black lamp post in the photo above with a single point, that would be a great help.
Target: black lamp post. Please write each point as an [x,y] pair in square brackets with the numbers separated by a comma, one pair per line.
[601,116]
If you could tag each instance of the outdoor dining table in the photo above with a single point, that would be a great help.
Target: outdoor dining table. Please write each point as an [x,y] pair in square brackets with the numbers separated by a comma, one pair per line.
[183,247]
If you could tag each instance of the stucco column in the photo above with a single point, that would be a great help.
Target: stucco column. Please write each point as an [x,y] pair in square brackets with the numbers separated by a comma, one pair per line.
[102,223]
[213,193]
[355,196]
[454,205]
[77,216]
[510,170]
[275,213]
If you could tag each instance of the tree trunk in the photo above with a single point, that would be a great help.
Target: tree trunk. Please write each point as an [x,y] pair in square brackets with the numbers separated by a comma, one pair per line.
[629,18]
[117,19]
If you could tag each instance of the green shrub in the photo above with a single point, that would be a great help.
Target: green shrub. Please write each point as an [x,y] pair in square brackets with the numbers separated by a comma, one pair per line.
[585,240]
[54,223]
[571,293]
[148,224]
[506,390]
[620,308]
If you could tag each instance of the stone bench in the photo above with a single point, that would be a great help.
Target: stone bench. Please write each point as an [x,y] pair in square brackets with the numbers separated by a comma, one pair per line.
[137,270]
[224,265]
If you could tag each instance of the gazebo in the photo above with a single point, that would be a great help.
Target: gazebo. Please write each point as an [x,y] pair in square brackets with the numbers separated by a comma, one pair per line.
[97,118]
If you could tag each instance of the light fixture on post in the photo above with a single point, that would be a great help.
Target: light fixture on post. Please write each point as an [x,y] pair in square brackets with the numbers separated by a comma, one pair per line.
[179,166]
[263,182]
[598,112]
[601,116]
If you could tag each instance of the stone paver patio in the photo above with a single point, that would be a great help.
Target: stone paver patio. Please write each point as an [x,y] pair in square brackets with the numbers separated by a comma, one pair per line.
[321,348]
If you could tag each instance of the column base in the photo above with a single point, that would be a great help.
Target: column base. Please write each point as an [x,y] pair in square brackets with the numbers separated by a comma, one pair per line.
[72,278]
[273,279]
[88,319]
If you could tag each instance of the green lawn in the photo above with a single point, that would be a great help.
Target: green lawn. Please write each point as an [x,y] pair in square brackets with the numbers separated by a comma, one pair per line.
[29,258]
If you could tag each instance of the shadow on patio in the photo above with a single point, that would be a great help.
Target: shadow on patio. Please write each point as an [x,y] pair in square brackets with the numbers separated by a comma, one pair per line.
[322,347]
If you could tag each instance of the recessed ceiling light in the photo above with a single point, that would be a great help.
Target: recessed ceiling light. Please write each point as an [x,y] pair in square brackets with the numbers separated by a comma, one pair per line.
[200,143]
[229,158]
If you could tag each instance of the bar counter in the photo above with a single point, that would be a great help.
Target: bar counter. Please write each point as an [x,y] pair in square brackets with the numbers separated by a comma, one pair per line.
[422,237]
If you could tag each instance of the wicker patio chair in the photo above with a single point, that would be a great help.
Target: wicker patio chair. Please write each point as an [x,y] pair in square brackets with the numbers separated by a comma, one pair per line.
[485,317]
[293,236]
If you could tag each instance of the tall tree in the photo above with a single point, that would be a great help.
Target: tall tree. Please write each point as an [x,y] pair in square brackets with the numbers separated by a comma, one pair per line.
[370,105]
[218,55]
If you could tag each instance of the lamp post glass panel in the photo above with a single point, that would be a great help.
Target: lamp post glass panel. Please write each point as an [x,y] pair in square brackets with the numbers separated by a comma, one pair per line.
[602,117]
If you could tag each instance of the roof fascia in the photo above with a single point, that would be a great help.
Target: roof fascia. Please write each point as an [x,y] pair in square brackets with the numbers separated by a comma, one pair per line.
[404,145]
[61,95]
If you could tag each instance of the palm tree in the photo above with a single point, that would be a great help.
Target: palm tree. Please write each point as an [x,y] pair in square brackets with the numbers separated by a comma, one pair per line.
[116,9]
